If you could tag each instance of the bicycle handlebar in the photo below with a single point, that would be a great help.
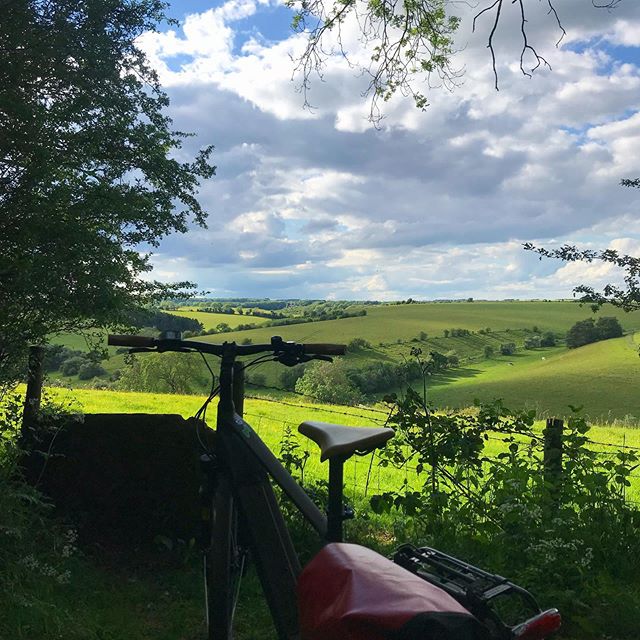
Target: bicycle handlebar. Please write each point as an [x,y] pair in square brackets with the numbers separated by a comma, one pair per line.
[277,345]
[130,341]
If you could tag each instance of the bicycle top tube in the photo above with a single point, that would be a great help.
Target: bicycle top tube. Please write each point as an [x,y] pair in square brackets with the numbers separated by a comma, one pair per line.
[277,346]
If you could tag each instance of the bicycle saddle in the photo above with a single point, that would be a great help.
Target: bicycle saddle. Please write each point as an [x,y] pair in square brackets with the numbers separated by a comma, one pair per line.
[338,440]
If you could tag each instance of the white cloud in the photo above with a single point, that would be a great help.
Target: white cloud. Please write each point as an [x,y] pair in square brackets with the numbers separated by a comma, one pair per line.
[435,204]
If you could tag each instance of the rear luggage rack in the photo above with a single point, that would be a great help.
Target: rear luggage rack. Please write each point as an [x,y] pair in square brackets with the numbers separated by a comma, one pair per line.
[505,609]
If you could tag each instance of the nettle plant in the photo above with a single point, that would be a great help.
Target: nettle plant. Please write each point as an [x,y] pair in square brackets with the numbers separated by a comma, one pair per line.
[476,485]
[479,475]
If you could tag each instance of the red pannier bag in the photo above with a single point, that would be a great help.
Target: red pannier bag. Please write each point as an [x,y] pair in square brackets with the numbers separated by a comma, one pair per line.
[348,592]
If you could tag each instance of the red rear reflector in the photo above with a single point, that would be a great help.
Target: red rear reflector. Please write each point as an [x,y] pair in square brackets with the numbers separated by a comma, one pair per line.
[539,627]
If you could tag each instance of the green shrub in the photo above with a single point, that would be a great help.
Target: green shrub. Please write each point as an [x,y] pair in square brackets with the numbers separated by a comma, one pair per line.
[90,370]
[290,375]
[453,360]
[533,342]
[581,333]
[35,551]
[358,344]
[572,541]
[328,382]
[257,379]
[608,327]
[508,348]
[71,366]
[548,339]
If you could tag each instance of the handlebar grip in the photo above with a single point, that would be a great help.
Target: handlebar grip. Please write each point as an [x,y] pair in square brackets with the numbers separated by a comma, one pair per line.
[326,349]
[130,341]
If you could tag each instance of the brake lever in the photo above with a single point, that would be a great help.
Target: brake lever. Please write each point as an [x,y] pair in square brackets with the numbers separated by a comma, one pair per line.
[319,357]
[141,350]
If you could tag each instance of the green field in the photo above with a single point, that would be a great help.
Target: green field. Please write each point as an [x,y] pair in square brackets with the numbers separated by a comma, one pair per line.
[212,320]
[601,377]
[389,323]
[270,417]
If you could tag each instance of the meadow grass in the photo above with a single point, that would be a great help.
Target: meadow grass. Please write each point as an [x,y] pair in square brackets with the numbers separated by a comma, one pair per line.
[212,320]
[597,377]
[388,323]
[601,377]
[271,417]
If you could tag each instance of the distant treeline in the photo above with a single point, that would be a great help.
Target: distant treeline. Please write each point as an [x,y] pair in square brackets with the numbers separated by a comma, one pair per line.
[256,305]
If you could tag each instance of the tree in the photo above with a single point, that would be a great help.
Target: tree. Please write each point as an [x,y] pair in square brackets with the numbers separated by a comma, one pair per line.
[409,42]
[508,348]
[626,297]
[88,171]
[328,382]
[290,375]
[164,373]
[548,339]
[532,342]
[90,370]
[608,327]
[581,333]
[488,351]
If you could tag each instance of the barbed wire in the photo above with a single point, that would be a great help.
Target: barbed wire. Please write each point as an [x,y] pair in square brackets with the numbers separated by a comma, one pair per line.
[304,395]
[609,444]
[320,409]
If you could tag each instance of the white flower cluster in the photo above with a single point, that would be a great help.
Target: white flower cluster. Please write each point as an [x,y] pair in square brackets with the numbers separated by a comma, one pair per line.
[44,569]
[69,546]
[551,550]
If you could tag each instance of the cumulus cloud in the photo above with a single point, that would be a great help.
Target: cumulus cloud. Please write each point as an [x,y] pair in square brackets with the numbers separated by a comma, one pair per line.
[435,203]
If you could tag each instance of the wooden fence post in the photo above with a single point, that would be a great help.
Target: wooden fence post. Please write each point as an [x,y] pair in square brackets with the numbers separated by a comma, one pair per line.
[33,396]
[552,434]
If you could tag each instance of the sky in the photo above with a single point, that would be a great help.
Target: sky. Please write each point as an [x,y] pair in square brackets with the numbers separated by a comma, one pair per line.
[320,203]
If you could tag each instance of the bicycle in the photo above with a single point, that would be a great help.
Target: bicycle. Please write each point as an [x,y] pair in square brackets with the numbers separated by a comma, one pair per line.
[241,514]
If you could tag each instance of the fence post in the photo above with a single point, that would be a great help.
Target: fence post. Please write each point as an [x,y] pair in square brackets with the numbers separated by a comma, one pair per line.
[33,395]
[552,434]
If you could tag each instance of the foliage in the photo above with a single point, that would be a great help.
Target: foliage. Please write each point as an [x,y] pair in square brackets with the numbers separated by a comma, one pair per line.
[508,348]
[292,455]
[291,375]
[358,344]
[588,331]
[488,351]
[407,43]
[328,382]
[568,537]
[162,321]
[163,373]
[90,370]
[533,342]
[35,551]
[608,327]
[88,169]
[625,297]
[548,339]
[71,366]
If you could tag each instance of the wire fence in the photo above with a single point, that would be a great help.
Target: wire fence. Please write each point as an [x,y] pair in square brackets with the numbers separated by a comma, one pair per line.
[364,475]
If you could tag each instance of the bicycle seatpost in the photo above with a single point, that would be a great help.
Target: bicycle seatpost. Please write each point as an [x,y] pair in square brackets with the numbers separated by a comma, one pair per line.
[336,513]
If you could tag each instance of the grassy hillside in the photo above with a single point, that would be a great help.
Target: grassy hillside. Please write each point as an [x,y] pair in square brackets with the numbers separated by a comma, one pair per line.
[602,377]
[212,320]
[389,323]
[271,416]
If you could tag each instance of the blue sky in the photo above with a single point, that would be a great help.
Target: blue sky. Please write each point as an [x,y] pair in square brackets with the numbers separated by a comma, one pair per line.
[432,204]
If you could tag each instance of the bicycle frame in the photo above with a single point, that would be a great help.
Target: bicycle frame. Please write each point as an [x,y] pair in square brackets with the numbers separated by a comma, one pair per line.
[240,491]
[248,464]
